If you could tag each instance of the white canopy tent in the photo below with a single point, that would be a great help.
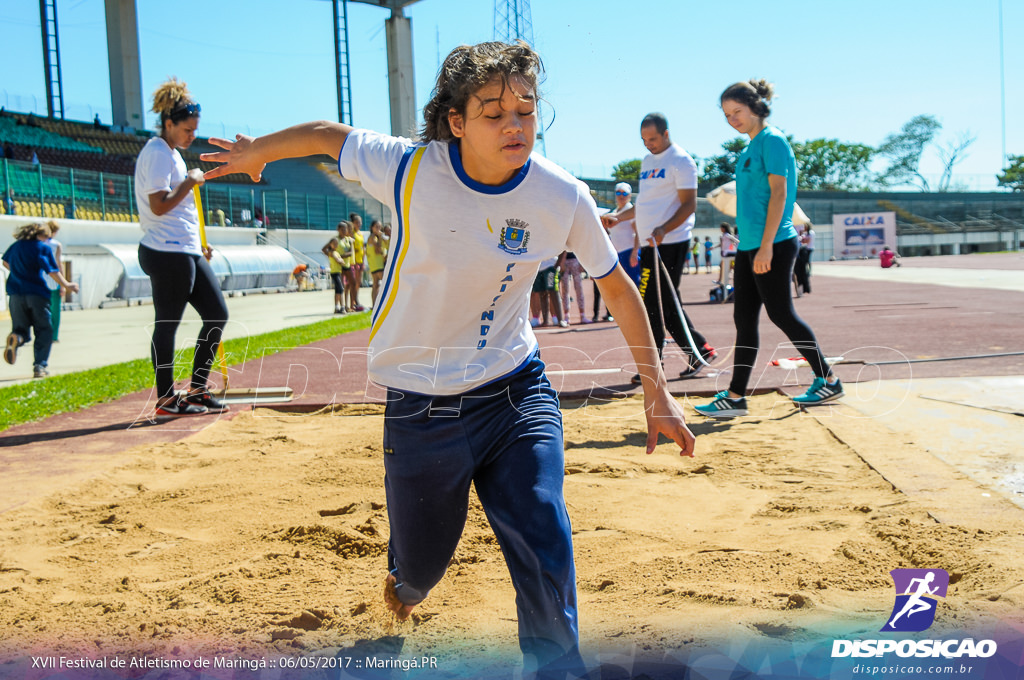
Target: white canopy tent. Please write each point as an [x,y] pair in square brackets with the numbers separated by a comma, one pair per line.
[723,199]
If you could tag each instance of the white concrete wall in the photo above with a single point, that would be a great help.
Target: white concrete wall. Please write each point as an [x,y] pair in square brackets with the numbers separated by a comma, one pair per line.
[98,272]
[90,233]
[306,241]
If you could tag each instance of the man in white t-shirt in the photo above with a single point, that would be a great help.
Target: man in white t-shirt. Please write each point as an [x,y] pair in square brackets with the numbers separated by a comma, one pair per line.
[664,213]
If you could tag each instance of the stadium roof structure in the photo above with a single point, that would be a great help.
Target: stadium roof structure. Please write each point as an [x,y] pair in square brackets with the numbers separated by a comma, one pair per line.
[393,5]
[126,96]
[401,79]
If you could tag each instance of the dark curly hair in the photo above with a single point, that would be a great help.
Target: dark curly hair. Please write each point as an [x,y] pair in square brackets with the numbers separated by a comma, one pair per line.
[754,93]
[174,102]
[467,69]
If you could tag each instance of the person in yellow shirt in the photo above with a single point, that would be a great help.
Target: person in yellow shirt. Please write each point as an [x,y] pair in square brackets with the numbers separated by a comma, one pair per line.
[358,252]
[376,251]
[346,249]
[335,268]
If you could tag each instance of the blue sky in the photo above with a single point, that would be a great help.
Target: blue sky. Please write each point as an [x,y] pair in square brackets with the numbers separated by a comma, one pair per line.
[852,71]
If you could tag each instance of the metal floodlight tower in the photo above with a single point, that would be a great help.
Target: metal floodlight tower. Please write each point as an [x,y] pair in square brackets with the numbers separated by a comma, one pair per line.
[341,61]
[51,59]
[513,21]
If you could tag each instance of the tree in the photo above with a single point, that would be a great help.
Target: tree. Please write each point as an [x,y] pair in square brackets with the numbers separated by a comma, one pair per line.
[1013,175]
[722,168]
[831,165]
[904,149]
[627,171]
[951,154]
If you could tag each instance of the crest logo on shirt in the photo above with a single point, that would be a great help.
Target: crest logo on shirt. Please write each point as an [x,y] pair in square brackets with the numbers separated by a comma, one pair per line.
[514,237]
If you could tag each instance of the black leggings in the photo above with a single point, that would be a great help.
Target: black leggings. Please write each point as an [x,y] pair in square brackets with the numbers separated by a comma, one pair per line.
[181,279]
[673,255]
[803,269]
[773,292]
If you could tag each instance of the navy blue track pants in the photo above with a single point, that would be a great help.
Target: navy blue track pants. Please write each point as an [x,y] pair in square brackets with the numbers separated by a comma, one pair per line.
[506,439]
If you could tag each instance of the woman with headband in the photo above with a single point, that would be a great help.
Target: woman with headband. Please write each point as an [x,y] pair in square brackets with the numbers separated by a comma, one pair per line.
[172,255]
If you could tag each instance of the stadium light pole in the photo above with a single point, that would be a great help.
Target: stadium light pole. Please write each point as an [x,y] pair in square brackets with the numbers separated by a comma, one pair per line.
[1002,88]
[401,79]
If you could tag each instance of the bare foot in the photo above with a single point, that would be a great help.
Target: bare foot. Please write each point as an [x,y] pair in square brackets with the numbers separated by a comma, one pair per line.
[391,601]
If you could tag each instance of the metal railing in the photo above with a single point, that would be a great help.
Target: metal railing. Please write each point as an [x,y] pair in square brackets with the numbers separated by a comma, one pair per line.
[41,190]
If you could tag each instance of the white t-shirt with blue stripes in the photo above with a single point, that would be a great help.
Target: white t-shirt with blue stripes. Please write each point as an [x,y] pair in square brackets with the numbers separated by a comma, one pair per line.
[453,312]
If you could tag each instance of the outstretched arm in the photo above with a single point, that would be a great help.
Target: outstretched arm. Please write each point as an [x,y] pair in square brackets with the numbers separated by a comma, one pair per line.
[609,220]
[62,282]
[248,155]
[664,414]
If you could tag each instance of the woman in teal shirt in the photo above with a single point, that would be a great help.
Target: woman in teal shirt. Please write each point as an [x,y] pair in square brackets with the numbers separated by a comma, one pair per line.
[765,194]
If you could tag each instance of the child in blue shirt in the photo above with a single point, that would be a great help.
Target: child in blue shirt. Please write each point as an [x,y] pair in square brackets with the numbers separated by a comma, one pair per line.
[30,260]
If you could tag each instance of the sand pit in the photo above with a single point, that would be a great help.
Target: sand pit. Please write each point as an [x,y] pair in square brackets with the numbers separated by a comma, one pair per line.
[264,536]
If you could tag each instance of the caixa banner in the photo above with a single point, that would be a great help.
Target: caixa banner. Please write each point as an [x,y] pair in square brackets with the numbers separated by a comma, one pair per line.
[859,235]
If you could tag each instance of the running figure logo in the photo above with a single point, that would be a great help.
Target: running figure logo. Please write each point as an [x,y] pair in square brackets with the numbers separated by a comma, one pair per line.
[514,237]
[916,593]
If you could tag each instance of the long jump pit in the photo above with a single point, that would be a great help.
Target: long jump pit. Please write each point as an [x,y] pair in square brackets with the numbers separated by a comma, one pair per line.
[257,548]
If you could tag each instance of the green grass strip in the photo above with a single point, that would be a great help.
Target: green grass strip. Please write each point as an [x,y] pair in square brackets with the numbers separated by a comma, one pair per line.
[32,401]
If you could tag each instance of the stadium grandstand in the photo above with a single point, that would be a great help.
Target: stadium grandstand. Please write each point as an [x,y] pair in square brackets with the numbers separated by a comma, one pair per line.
[83,146]
[69,169]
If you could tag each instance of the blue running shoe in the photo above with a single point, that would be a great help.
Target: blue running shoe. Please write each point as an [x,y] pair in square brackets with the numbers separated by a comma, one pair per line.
[723,407]
[820,392]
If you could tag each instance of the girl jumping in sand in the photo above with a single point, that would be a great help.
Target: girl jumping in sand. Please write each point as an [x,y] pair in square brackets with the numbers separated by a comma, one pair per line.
[468,401]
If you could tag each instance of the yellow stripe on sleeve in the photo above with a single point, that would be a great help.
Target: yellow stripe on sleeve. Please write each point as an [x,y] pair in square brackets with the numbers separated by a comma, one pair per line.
[407,233]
